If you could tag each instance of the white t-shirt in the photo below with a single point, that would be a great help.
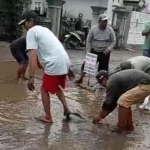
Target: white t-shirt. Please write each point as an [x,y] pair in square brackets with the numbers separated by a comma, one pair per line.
[51,52]
[140,62]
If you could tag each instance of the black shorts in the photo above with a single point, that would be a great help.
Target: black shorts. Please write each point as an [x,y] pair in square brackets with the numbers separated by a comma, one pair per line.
[20,56]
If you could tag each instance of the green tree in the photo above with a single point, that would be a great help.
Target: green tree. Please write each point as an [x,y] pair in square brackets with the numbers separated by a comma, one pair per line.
[10,13]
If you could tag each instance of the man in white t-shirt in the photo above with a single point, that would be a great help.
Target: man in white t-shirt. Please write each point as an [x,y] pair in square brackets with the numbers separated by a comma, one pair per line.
[46,50]
[139,62]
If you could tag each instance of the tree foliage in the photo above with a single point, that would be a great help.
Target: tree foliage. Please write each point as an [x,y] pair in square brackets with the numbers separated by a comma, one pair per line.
[10,13]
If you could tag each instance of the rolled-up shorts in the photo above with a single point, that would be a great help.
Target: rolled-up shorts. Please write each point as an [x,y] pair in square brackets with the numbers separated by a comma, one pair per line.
[134,95]
[20,56]
[51,83]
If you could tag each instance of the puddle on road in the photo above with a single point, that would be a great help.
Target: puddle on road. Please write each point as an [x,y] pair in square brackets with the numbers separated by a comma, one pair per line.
[20,131]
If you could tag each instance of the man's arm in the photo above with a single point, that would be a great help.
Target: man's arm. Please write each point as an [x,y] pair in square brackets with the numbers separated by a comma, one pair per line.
[110,100]
[109,104]
[89,40]
[145,30]
[112,39]
[32,62]
[32,52]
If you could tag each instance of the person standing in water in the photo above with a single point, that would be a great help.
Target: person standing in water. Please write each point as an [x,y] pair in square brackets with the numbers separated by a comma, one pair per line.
[100,41]
[18,51]
[44,46]
[146,45]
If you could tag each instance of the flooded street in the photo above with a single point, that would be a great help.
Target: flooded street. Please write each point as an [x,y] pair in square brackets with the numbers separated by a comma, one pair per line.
[18,107]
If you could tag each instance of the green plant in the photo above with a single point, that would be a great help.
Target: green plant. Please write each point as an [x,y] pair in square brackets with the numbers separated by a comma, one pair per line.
[10,13]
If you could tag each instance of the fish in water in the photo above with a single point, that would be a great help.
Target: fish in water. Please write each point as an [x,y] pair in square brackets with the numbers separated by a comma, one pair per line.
[72,113]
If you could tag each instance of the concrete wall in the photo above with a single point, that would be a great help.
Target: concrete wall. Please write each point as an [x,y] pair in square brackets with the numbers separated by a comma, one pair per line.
[39,3]
[136,25]
[110,7]
[74,7]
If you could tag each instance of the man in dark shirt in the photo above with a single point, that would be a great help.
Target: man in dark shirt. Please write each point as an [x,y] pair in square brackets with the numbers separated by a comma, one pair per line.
[18,51]
[126,88]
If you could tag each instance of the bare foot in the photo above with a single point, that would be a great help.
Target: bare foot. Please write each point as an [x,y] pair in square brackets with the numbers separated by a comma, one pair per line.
[19,80]
[78,82]
[24,79]
[116,129]
[44,120]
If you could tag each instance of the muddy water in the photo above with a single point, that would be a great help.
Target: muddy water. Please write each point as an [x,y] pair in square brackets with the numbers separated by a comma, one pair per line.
[20,131]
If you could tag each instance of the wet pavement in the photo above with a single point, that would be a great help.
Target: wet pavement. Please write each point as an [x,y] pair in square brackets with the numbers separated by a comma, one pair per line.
[18,107]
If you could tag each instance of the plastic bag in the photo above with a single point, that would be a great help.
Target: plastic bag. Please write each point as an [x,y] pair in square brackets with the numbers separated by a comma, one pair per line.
[146,104]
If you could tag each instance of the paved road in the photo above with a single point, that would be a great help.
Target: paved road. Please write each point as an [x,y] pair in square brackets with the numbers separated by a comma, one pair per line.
[18,107]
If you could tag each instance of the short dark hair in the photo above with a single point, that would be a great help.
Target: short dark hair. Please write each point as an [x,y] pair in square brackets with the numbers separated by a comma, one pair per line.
[30,15]
[35,20]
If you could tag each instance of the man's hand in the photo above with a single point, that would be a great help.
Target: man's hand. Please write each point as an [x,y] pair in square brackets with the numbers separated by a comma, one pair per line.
[107,51]
[70,74]
[31,86]
[96,119]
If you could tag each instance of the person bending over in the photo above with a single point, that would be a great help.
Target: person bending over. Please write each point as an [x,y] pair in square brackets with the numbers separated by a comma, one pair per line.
[126,87]
[18,51]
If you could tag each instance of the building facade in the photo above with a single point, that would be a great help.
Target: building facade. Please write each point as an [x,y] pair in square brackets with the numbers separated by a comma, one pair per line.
[72,7]
[38,5]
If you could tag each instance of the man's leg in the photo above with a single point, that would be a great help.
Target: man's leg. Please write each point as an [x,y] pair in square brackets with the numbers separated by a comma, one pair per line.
[46,104]
[125,102]
[82,69]
[103,60]
[23,60]
[24,68]
[19,71]
[60,86]
[129,122]
[49,85]
[80,80]
[15,55]
[122,118]
[62,98]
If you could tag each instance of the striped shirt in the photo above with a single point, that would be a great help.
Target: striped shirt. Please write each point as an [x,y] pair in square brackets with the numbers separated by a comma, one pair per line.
[100,40]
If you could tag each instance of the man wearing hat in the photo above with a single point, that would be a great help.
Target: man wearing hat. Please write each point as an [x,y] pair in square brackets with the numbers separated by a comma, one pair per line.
[44,46]
[100,41]
[126,88]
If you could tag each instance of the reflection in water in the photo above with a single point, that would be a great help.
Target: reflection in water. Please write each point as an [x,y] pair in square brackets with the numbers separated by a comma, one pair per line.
[20,131]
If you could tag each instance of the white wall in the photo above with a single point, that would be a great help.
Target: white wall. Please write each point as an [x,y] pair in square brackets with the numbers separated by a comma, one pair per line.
[117,2]
[74,7]
[147,9]
[110,7]
[38,3]
[136,25]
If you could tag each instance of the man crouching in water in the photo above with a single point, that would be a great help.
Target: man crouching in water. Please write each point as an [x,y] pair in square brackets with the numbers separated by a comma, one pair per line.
[126,88]
[18,51]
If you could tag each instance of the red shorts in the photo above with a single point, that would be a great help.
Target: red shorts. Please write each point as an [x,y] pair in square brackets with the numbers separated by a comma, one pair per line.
[51,83]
